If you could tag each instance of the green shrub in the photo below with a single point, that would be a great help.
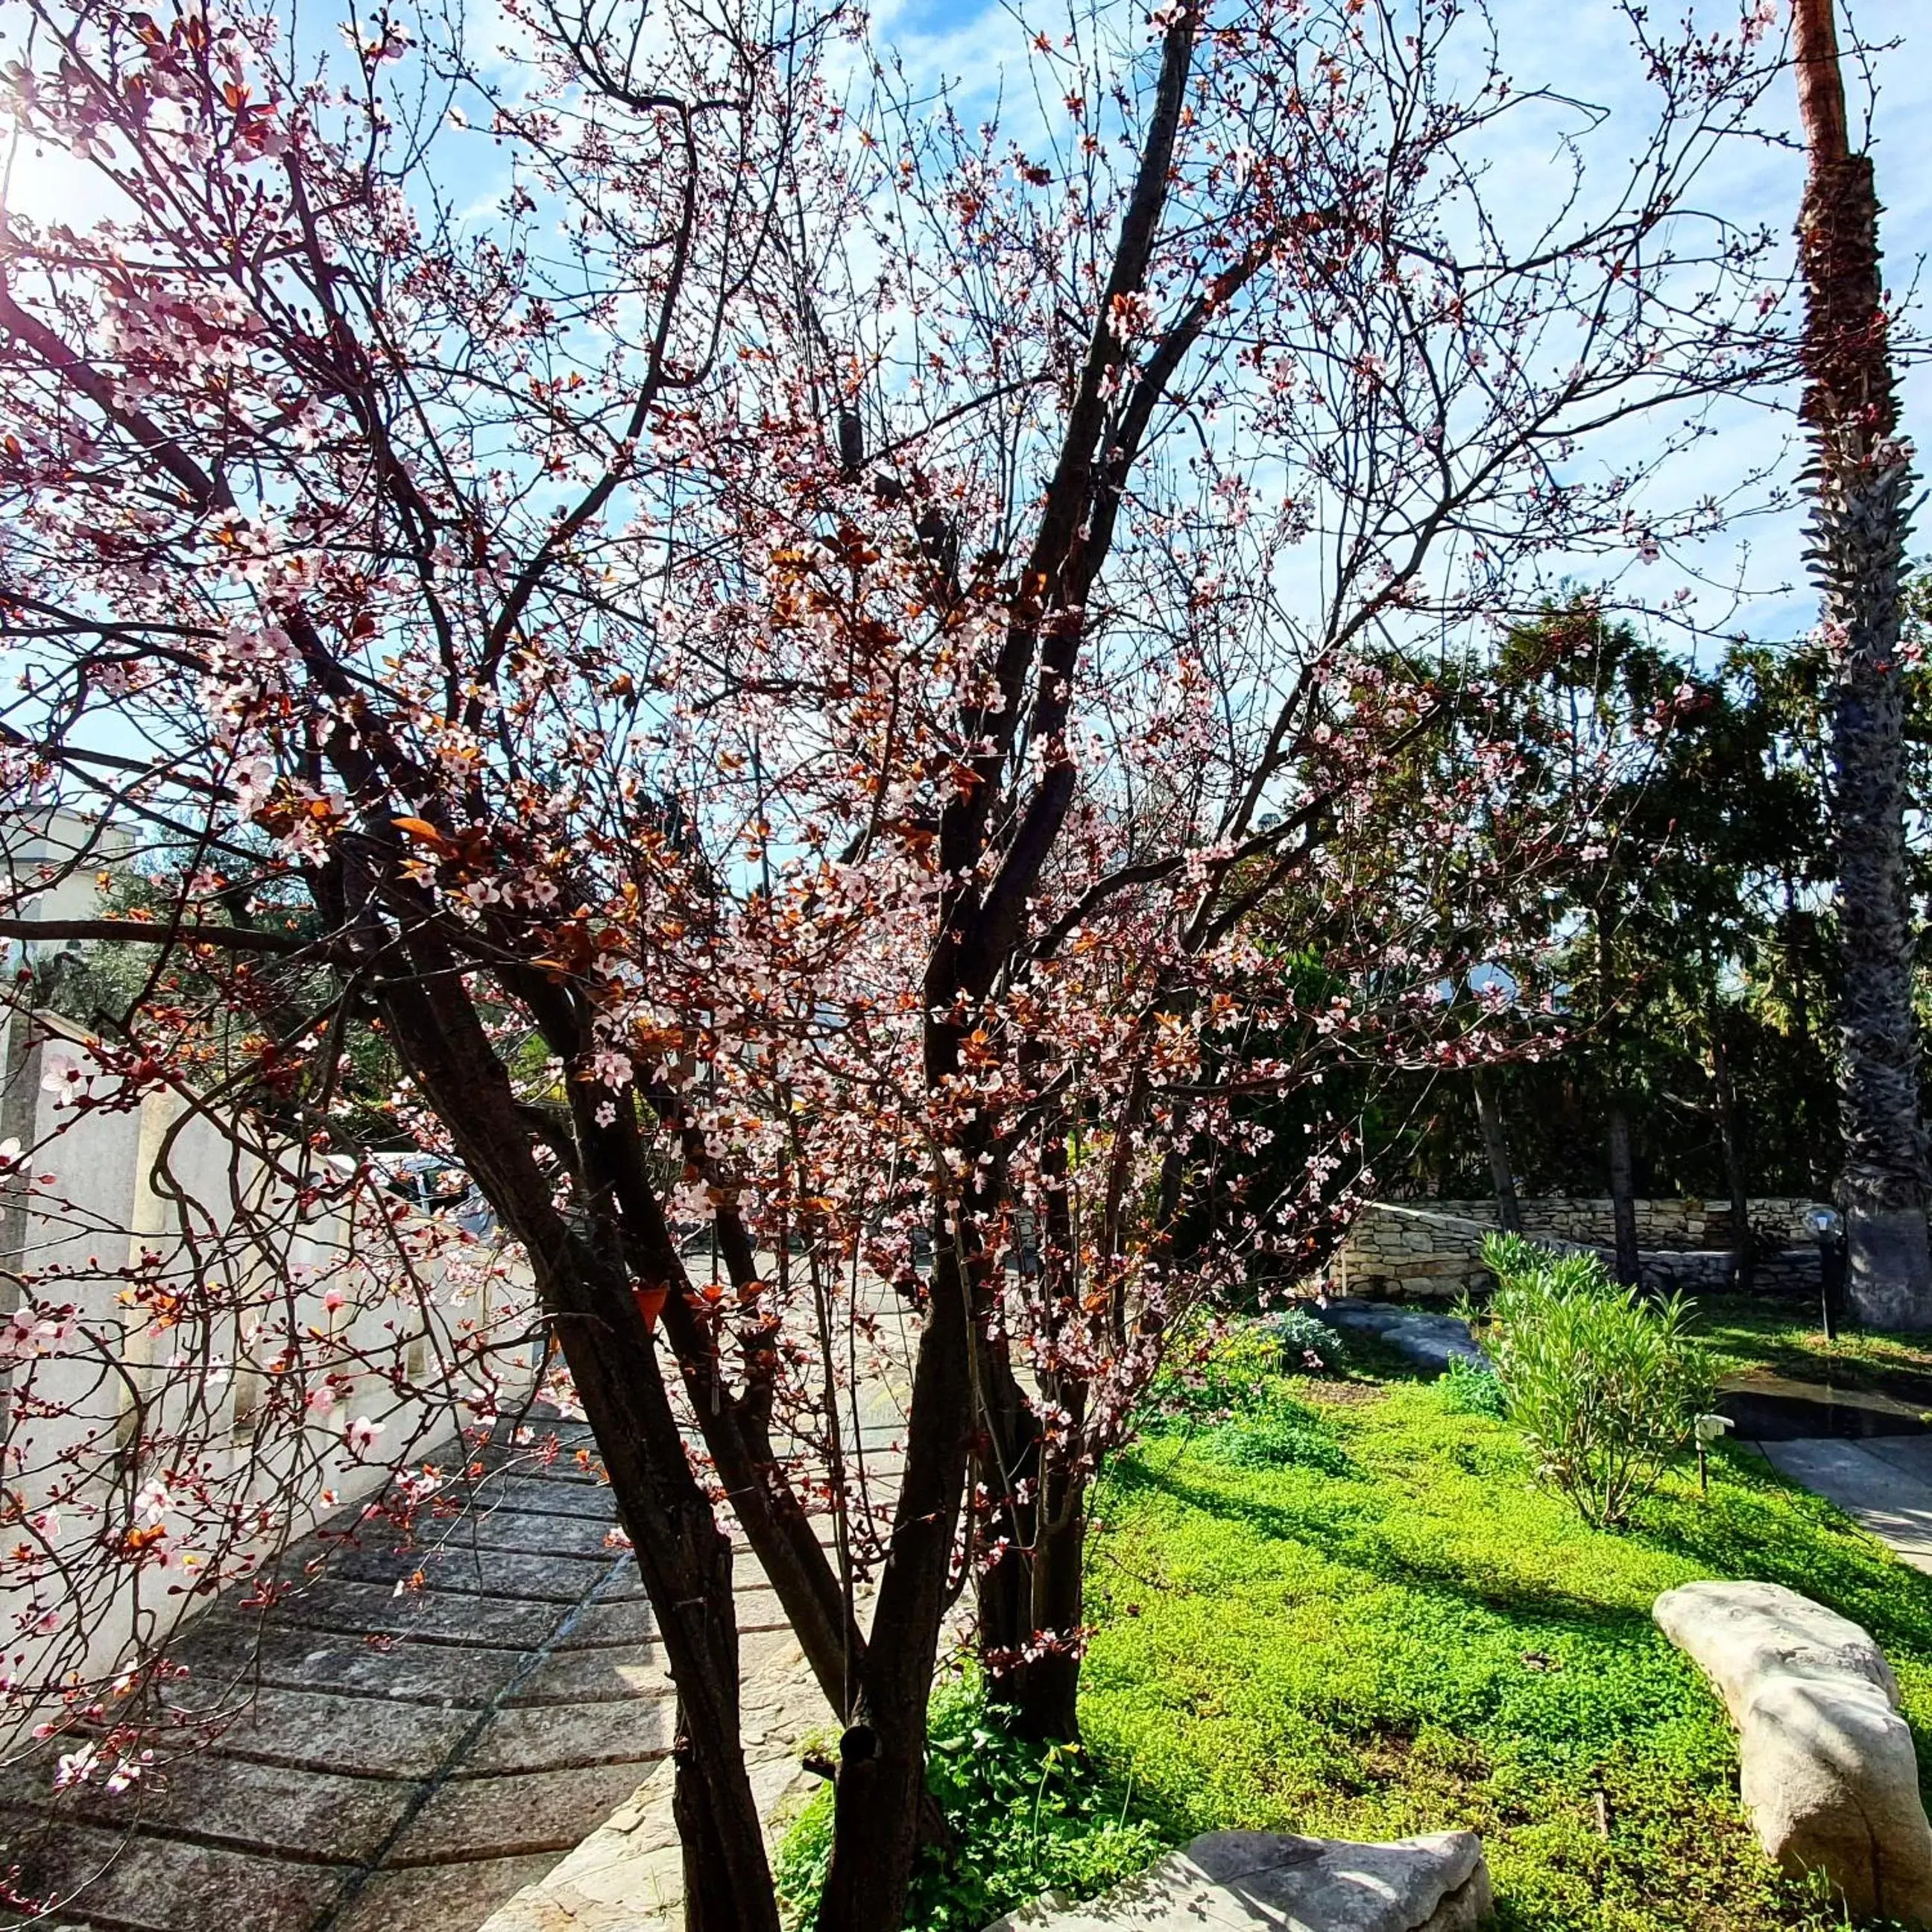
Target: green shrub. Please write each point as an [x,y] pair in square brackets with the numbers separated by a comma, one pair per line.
[1237,1397]
[1605,1384]
[1274,1438]
[1468,1389]
[1308,1345]
[1025,1819]
[1209,1375]
[805,1854]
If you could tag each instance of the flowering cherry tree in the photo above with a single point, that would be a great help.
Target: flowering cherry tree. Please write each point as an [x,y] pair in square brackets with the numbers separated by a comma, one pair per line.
[829,685]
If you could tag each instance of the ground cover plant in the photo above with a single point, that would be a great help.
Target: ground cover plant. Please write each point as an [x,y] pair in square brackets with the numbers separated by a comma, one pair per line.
[1431,1638]
[1744,1333]
[1025,1817]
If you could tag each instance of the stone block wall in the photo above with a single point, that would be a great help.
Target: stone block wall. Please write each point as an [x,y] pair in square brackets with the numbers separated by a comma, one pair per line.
[1431,1250]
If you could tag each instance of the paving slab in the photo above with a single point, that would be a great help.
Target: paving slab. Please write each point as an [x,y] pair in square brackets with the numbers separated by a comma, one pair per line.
[628,1620]
[514,1815]
[313,1817]
[602,1675]
[142,1884]
[1885,1493]
[758,1607]
[427,1615]
[553,1737]
[408,1759]
[623,1584]
[549,1495]
[627,1875]
[539,1535]
[558,1578]
[317,1730]
[456,1896]
[444,1675]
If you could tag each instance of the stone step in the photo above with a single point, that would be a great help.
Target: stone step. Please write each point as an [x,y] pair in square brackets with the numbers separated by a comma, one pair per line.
[554,1737]
[309,1816]
[524,1533]
[316,1730]
[428,1616]
[452,1898]
[606,1674]
[546,1495]
[456,1566]
[444,1675]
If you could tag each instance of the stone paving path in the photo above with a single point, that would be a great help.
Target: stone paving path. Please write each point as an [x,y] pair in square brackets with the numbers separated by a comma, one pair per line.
[1884,1481]
[627,1876]
[401,1762]
[408,1760]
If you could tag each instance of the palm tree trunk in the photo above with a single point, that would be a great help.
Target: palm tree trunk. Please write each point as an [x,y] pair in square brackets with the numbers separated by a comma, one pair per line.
[1860,481]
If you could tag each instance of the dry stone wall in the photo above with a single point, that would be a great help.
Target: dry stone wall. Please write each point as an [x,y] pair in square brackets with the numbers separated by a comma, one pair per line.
[1431,1250]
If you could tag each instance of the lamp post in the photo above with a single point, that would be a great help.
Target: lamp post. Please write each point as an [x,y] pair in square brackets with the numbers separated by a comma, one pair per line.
[1828,1229]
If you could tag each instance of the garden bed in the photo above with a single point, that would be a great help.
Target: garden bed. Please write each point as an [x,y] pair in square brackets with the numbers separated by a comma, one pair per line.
[1392,1629]
[1336,1604]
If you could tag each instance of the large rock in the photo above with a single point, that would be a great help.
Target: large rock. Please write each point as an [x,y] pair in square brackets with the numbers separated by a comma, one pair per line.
[1231,1880]
[1829,1776]
[1431,1340]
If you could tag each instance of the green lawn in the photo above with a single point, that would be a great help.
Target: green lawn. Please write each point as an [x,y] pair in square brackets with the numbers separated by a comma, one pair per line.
[1752,1333]
[1426,1639]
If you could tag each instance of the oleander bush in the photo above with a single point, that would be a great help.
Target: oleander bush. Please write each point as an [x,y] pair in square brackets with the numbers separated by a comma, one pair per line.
[1605,1383]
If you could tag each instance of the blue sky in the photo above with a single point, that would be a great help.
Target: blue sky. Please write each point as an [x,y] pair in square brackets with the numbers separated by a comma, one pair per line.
[1576,47]
[1582,48]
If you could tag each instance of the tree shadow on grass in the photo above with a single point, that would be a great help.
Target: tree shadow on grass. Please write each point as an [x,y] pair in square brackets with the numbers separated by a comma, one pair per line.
[1743,1531]
[1371,1554]
[1754,1525]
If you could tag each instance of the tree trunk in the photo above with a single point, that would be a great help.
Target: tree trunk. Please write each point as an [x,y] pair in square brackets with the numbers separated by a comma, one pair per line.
[1034,1591]
[1005,1469]
[1623,1195]
[683,1557]
[686,1561]
[877,1804]
[1031,1599]
[715,1867]
[1495,1144]
[1046,1685]
[1744,1250]
[1860,481]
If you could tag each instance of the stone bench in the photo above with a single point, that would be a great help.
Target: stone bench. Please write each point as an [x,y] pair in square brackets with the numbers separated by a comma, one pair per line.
[1828,1773]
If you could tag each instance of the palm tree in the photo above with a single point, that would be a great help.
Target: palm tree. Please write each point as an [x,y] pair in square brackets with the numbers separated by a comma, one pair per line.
[1860,478]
